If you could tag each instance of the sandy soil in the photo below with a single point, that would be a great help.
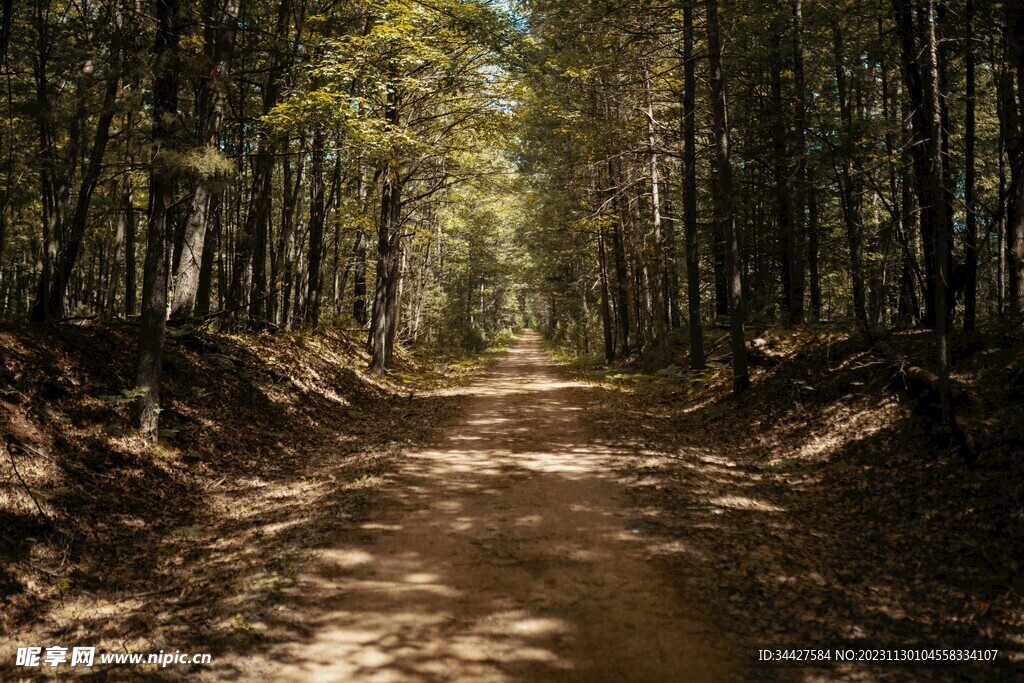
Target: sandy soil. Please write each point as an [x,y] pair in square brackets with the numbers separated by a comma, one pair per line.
[501,551]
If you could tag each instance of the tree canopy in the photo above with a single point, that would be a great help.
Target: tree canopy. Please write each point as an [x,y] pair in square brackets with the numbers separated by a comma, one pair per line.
[436,172]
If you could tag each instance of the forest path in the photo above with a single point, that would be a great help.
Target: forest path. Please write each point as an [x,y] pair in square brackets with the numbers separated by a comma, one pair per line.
[501,551]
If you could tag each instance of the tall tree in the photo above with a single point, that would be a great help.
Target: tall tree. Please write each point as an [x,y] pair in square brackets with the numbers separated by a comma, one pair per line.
[317,218]
[783,175]
[163,170]
[911,49]
[1015,150]
[249,287]
[222,22]
[970,198]
[799,240]
[388,244]
[851,196]
[725,211]
[66,216]
[937,187]
[690,192]
[660,251]
[6,25]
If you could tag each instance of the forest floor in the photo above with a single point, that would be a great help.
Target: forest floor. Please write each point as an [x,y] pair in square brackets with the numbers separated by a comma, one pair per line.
[270,444]
[824,508]
[302,521]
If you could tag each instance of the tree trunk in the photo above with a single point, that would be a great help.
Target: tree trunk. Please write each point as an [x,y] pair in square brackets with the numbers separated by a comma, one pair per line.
[209,256]
[249,277]
[386,288]
[813,276]
[911,280]
[783,189]
[852,210]
[920,126]
[718,249]
[161,198]
[581,288]
[281,266]
[5,60]
[131,287]
[971,220]
[619,257]
[79,223]
[359,256]
[690,193]
[1014,135]
[606,313]
[894,226]
[393,300]
[125,240]
[1001,223]
[671,284]
[724,202]
[220,40]
[53,187]
[937,179]
[799,239]
[109,297]
[660,259]
[317,216]
[63,235]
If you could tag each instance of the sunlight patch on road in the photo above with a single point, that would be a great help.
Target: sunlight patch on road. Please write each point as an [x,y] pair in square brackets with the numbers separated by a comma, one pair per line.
[511,561]
[380,526]
[744,503]
[422,578]
[345,558]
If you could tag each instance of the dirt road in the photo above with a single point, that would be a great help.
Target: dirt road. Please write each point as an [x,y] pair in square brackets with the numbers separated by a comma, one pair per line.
[502,551]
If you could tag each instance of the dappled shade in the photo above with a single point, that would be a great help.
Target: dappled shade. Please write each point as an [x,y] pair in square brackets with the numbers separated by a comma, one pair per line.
[502,550]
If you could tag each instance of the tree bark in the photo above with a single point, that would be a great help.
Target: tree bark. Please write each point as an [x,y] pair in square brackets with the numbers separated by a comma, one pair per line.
[220,40]
[209,256]
[281,266]
[971,219]
[690,193]
[161,197]
[799,239]
[359,255]
[937,179]
[606,313]
[813,275]
[249,277]
[724,202]
[785,238]
[852,210]
[79,222]
[660,259]
[1014,136]
[317,216]
[581,288]
[619,257]
[386,287]
[920,126]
